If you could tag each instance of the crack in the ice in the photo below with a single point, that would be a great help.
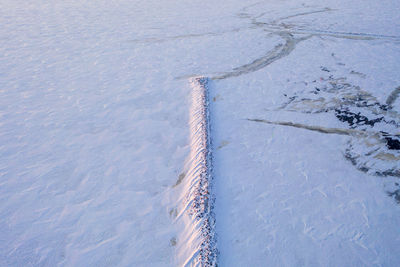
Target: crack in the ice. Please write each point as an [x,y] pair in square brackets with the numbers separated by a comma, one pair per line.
[278,25]
[280,51]
[185,36]
[392,97]
[374,144]
[392,142]
[370,149]
[335,34]
[327,9]
[347,35]
[375,152]
[285,31]
[319,129]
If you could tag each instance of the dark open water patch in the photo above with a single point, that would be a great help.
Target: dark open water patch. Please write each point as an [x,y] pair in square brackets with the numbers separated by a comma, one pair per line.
[373,127]
[355,119]
[392,143]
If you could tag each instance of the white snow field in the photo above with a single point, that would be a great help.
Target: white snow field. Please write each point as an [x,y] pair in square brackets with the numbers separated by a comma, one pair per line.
[105,138]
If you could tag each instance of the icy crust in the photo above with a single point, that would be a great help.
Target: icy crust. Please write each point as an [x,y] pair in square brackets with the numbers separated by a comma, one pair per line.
[375,145]
[199,242]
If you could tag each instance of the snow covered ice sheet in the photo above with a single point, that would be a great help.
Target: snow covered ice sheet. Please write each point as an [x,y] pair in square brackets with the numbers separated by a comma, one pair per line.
[95,136]
[307,141]
[96,155]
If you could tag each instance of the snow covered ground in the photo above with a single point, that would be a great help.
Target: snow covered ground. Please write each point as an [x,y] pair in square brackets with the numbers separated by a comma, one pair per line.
[307,148]
[96,155]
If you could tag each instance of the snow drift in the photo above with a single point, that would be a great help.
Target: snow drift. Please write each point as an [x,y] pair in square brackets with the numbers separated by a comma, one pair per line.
[198,243]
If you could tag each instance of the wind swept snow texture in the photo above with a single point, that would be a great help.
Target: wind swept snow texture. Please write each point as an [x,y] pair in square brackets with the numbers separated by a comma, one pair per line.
[307,137]
[198,242]
[98,164]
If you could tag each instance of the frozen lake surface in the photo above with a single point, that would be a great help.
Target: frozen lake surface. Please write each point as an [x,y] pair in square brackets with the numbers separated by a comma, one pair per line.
[105,159]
